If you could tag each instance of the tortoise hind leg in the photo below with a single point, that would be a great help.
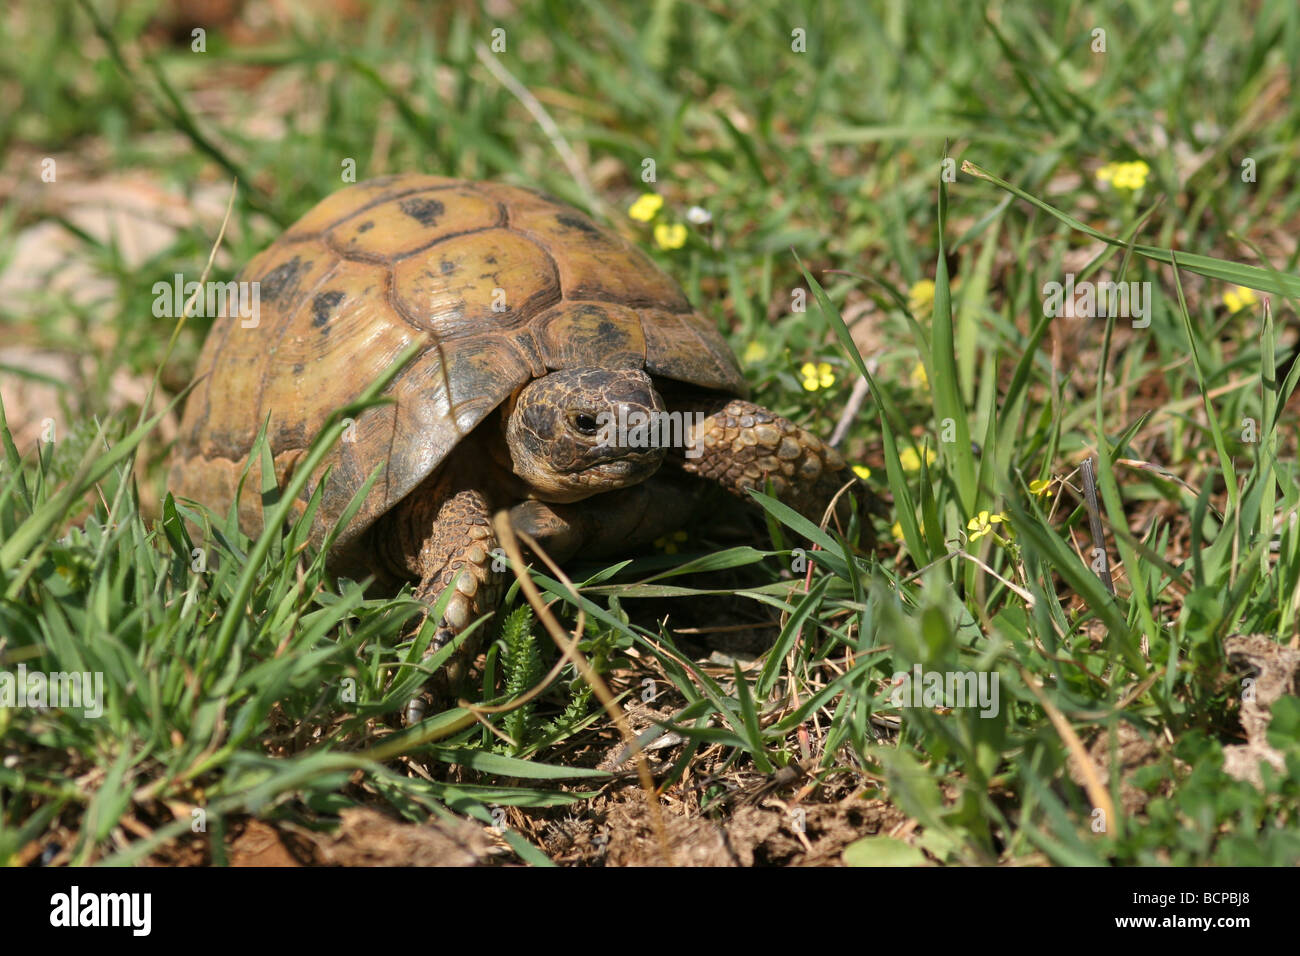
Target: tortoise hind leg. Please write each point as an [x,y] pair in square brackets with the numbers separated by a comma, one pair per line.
[447,542]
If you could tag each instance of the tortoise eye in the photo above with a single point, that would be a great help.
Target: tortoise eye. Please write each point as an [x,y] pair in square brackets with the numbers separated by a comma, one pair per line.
[583,423]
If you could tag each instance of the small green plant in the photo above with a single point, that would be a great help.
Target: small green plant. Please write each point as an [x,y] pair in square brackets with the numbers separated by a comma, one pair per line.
[523,667]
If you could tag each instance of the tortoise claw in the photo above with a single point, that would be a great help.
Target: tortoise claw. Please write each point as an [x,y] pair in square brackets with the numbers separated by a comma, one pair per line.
[441,638]
[416,708]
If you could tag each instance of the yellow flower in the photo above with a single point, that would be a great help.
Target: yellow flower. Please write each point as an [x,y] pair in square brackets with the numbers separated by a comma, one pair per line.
[668,543]
[911,461]
[920,297]
[1041,487]
[817,376]
[1238,297]
[755,352]
[646,207]
[670,236]
[862,471]
[897,531]
[983,523]
[1133,176]
[919,377]
[1125,175]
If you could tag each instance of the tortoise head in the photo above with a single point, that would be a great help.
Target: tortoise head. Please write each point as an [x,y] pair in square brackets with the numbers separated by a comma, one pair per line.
[579,432]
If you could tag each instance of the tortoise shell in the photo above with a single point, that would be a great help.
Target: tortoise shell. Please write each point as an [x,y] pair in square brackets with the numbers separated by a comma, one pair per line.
[499,285]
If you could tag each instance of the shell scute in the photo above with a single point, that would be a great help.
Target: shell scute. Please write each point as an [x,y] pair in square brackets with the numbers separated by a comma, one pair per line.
[475,284]
[392,229]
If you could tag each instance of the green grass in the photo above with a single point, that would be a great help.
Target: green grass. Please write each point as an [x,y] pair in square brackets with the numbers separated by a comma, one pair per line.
[260,686]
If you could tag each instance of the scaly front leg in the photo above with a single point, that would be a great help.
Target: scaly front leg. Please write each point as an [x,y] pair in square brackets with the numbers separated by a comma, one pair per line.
[743,446]
[447,541]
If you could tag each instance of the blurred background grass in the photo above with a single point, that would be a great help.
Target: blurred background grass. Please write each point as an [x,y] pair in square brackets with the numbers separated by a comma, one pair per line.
[812,128]
[831,152]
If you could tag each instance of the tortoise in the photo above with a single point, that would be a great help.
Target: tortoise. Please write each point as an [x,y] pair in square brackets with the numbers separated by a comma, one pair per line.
[539,331]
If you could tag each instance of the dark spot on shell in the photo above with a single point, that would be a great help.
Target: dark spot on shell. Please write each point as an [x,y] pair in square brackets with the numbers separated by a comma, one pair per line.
[491,260]
[366,226]
[282,281]
[423,210]
[226,441]
[447,266]
[584,226]
[290,436]
[297,368]
[322,306]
